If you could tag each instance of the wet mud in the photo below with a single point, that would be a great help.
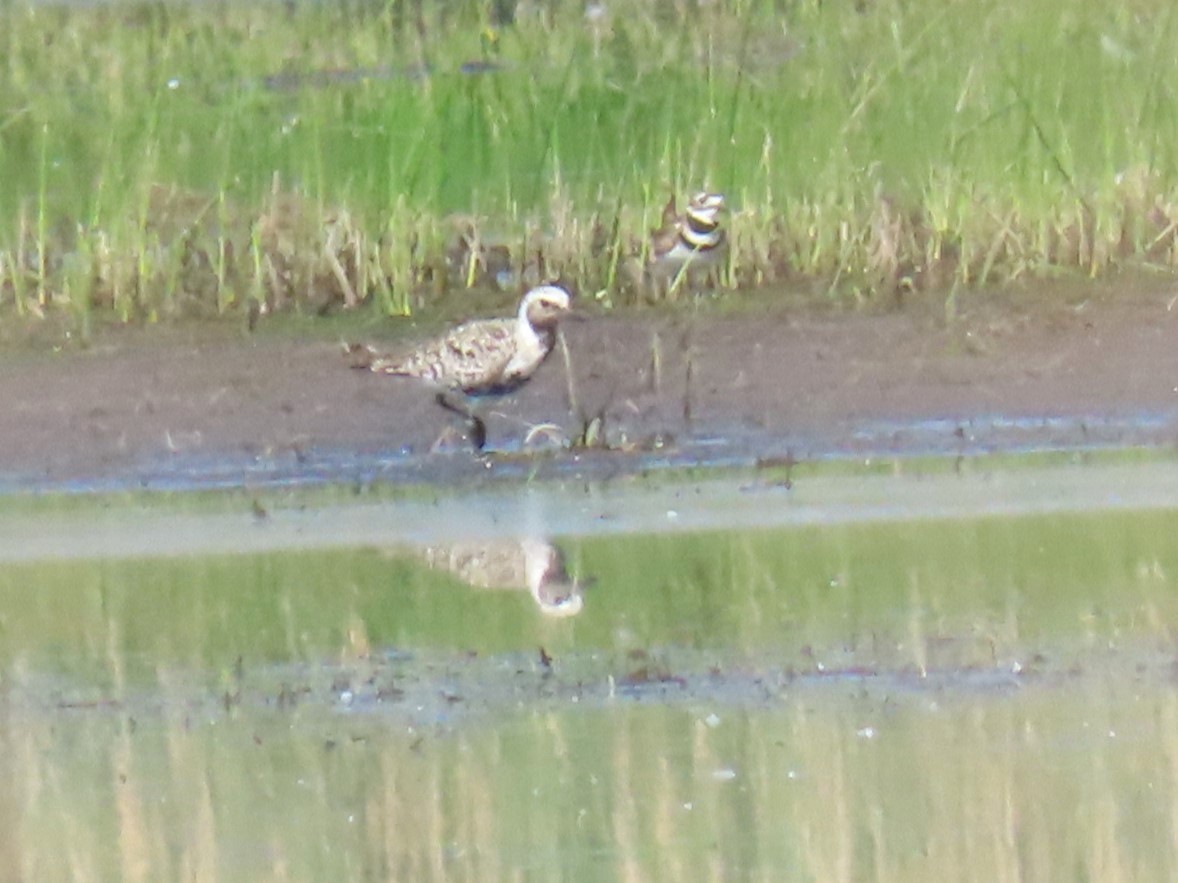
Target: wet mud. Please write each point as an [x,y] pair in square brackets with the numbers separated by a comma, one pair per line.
[212,406]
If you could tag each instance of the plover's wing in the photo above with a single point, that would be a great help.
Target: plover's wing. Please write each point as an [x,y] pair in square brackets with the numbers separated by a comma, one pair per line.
[471,357]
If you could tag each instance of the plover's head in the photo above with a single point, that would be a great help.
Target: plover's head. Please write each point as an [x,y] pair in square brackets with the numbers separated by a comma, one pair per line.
[559,600]
[543,307]
[704,211]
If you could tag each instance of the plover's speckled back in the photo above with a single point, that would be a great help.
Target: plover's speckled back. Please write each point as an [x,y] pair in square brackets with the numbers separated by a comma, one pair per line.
[483,357]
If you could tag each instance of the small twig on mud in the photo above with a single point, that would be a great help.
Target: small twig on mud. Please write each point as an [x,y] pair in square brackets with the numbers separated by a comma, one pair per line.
[656,363]
[688,370]
[574,407]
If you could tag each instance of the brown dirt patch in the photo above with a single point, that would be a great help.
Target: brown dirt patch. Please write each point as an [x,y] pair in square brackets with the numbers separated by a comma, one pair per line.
[1018,369]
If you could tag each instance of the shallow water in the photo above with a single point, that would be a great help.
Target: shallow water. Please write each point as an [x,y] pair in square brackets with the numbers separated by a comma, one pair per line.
[913,673]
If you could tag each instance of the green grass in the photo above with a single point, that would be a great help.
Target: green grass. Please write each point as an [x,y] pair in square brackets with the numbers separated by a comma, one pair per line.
[151,164]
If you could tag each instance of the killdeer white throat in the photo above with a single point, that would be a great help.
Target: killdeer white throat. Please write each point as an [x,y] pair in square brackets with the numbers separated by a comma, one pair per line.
[486,357]
[689,243]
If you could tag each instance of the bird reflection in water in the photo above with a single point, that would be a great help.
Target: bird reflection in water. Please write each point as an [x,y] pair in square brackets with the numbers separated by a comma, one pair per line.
[533,563]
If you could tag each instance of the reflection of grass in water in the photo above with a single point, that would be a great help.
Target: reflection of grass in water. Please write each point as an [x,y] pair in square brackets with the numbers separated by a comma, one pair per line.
[923,596]
[868,150]
[835,786]
[831,780]
[900,596]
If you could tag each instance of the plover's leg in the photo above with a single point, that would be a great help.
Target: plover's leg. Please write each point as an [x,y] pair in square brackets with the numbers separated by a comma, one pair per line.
[478,429]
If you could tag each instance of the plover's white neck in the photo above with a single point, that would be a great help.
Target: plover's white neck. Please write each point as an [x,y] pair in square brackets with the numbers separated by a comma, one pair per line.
[534,331]
[524,329]
[547,579]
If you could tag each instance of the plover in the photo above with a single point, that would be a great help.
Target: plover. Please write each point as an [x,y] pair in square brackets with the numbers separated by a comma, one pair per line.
[531,562]
[486,357]
[688,243]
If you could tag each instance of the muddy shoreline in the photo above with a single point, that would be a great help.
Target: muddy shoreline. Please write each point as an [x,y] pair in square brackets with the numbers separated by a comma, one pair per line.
[1077,368]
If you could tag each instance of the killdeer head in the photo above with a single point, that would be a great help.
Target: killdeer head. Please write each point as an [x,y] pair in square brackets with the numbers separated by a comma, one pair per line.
[700,226]
[694,238]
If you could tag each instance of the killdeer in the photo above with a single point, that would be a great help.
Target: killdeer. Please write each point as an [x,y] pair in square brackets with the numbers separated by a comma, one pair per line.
[486,357]
[689,243]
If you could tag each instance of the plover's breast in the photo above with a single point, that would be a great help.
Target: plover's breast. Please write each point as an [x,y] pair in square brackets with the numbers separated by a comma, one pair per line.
[530,349]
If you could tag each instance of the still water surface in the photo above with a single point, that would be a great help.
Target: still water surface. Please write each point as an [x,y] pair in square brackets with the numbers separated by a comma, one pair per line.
[892,676]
